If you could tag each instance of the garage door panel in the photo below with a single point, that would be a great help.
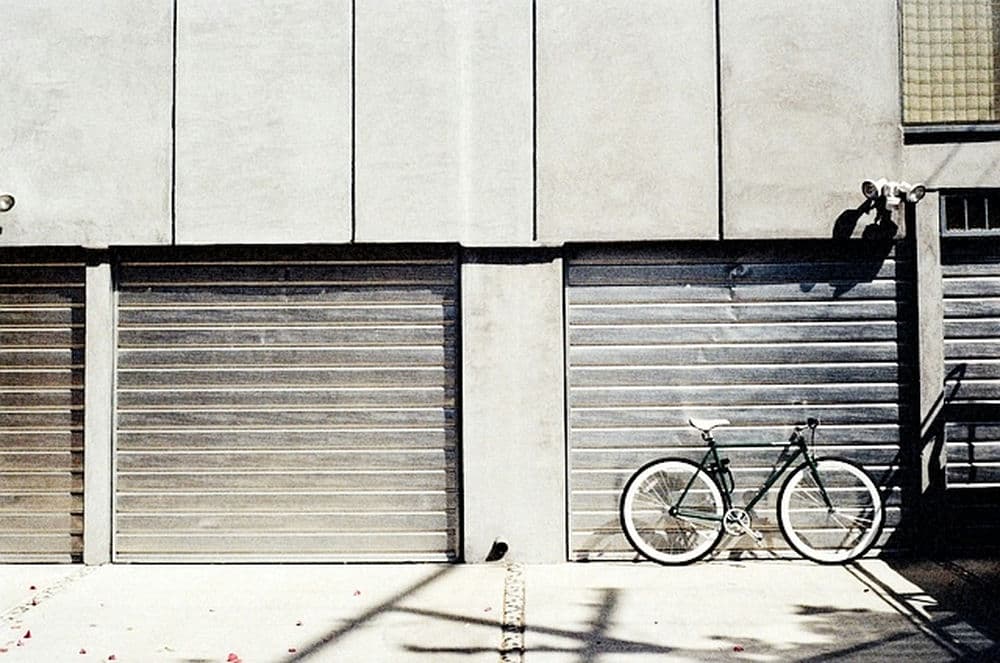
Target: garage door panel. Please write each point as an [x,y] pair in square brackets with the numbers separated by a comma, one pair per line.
[763,336]
[310,356]
[256,544]
[248,396]
[328,523]
[732,313]
[180,440]
[298,337]
[279,376]
[301,502]
[287,410]
[733,395]
[311,479]
[680,434]
[748,374]
[306,460]
[644,334]
[50,480]
[634,417]
[173,300]
[728,273]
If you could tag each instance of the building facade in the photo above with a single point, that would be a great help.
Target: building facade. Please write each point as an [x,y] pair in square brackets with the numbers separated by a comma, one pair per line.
[361,281]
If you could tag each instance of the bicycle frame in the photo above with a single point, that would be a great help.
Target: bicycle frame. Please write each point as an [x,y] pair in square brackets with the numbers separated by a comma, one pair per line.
[711,460]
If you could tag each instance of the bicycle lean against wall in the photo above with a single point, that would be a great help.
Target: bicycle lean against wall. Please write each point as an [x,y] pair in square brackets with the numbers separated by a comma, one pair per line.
[675,511]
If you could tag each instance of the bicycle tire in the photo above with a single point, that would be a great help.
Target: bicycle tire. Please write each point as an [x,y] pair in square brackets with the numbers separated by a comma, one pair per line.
[827,535]
[655,533]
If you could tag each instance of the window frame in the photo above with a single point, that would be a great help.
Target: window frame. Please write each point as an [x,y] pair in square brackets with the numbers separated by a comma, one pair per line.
[985,192]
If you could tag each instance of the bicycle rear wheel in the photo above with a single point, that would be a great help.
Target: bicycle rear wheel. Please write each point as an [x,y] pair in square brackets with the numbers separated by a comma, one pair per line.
[662,527]
[837,532]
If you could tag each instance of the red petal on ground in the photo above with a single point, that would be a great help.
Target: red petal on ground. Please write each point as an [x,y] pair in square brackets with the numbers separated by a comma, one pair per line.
[737,648]
[112,658]
[27,635]
[233,658]
[357,592]
[292,650]
[82,651]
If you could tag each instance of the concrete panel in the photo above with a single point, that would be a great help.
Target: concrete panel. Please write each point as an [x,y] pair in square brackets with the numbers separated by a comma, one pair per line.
[85,127]
[810,109]
[953,164]
[513,455]
[626,120]
[444,122]
[99,379]
[264,122]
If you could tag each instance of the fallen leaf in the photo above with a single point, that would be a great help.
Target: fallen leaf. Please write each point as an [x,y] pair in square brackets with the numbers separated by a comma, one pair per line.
[291,650]
[27,635]
[737,648]
[3,650]
[357,592]
[298,623]
[112,658]
[488,610]
[32,588]
[82,651]
[233,658]
[34,602]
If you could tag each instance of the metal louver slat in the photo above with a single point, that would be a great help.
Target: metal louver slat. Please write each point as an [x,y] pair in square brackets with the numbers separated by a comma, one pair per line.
[292,410]
[762,336]
[41,411]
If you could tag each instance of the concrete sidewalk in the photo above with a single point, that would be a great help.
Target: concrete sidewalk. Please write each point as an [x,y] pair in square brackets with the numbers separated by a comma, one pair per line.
[568,613]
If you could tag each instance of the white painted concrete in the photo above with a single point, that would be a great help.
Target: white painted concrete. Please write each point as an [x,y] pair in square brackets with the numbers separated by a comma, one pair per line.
[263,122]
[513,454]
[444,122]
[626,120]
[810,109]
[85,126]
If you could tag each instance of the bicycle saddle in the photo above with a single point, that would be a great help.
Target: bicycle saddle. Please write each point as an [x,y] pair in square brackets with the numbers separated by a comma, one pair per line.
[706,425]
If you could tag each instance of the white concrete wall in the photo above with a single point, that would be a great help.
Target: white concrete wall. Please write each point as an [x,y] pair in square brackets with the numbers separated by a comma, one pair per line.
[85,122]
[626,120]
[810,109]
[444,122]
[513,421]
[263,122]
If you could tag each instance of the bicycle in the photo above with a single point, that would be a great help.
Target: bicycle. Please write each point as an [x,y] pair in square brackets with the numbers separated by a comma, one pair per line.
[675,511]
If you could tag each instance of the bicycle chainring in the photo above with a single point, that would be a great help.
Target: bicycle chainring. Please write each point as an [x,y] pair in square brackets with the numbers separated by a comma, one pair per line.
[736,521]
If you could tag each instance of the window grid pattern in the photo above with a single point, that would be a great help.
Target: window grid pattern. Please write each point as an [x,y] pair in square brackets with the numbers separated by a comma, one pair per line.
[951,61]
[970,212]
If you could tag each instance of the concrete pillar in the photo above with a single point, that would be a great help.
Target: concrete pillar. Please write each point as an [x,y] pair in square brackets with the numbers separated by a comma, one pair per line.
[98,399]
[513,405]
[930,357]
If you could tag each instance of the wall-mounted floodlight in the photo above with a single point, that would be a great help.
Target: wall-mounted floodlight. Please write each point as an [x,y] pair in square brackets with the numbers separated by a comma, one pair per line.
[872,189]
[892,193]
[914,192]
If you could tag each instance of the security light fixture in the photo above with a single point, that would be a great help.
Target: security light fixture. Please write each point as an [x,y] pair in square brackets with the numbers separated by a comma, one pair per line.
[892,193]
[6,202]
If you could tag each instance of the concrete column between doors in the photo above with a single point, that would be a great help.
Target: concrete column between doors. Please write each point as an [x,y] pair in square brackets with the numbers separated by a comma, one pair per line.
[513,404]
[930,373]
[98,399]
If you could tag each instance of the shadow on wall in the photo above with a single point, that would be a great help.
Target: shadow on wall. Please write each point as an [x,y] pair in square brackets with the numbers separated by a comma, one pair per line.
[877,241]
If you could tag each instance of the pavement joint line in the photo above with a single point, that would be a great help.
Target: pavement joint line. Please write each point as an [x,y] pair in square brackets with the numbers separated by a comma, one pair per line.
[512,628]
[911,613]
[14,616]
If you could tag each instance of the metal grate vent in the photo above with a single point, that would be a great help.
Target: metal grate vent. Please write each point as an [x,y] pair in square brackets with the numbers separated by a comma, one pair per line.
[968,212]
[951,61]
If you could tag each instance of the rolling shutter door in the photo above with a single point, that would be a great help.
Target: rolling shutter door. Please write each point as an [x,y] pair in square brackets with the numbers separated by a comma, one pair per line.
[971,274]
[764,339]
[287,410]
[41,411]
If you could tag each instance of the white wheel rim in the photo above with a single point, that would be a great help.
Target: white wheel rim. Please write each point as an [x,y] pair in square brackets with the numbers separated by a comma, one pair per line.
[839,554]
[703,482]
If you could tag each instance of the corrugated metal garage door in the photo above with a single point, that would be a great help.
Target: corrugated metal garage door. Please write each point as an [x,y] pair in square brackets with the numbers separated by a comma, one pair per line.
[297,409]
[761,337]
[41,411]
[971,273]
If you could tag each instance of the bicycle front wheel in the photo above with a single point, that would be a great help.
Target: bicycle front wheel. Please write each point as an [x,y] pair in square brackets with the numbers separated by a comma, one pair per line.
[836,528]
[671,511]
